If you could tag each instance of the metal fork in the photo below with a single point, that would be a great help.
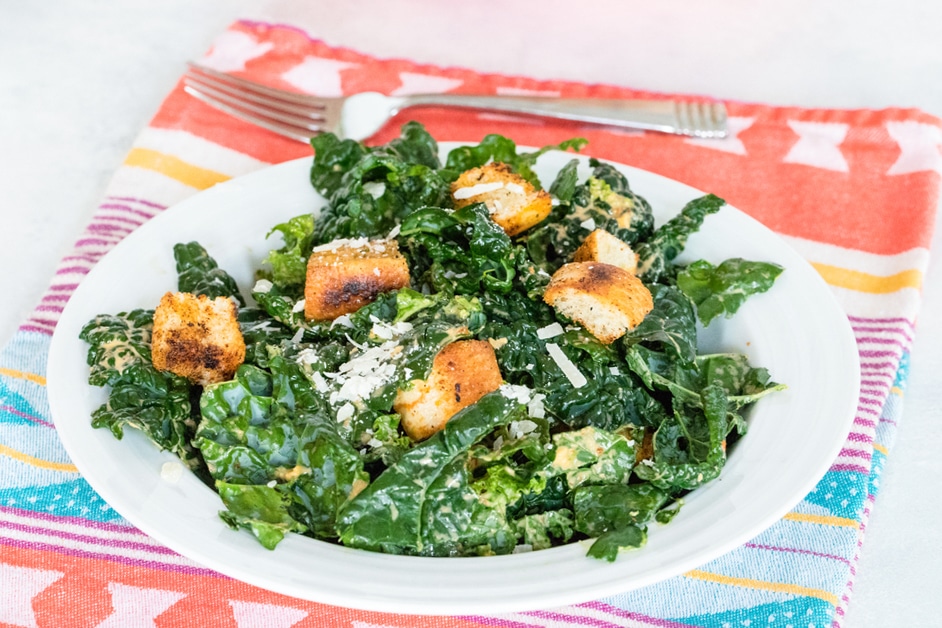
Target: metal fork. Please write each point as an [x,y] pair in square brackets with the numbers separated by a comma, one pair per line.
[359,116]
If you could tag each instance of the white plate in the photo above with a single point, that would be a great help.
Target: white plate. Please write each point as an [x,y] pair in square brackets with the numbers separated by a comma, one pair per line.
[796,330]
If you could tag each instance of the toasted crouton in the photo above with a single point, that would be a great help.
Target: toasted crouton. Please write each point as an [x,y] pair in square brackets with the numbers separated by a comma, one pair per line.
[601,246]
[513,202]
[608,301]
[644,445]
[462,372]
[197,337]
[345,275]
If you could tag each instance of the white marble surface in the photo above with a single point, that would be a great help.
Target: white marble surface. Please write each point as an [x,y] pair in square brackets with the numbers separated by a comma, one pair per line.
[79,79]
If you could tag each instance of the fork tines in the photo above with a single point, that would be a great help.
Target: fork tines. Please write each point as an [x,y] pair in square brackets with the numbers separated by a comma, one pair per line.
[701,119]
[294,115]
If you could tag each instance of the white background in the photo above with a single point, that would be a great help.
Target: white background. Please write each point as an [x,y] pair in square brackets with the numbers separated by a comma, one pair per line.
[78,80]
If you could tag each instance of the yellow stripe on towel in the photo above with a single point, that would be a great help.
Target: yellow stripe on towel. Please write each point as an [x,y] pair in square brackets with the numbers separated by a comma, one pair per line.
[865,282]
[825,520]
[32,377]
[37,462]
[175,168]
[775,587]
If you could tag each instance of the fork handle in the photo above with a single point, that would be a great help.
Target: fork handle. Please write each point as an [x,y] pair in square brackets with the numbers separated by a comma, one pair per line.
[704,119]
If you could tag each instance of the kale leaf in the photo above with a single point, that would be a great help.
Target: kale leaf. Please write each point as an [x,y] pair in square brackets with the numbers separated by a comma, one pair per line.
[154,402]
[670,238]
[604,201]
[289,263]
[503,150]
[199,273]
[262,510]
[723,289]
[424,504]
[469,252]
[371,190]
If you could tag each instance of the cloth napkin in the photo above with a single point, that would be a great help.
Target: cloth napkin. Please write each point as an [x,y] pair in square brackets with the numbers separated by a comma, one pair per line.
[855,192]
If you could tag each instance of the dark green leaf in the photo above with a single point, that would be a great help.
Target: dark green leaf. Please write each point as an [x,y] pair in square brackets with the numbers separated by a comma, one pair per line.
[721,290]
[603,508]
[289,263]
[503,150]
[420,504]
[607,546]
[154,402]
[261,510]
[199,273]
[669,240]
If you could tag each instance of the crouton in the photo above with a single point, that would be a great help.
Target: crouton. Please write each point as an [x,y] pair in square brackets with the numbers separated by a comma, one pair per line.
[645,445]
[462,372]
[197,337]
[513,202]
[608,301]
[601,246]
[345,275]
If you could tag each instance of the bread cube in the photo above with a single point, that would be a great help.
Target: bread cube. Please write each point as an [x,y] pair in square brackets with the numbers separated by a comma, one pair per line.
[197,337]
[601,246]
[608,301]
[513,202]
[462,372]
[345,275]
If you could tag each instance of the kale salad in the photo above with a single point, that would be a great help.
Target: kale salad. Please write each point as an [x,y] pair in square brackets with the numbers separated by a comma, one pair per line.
[549,427]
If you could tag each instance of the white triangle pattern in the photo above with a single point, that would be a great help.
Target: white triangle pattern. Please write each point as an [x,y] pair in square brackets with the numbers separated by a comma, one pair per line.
[137,607]
[232,49]
[413,83]
[255,615]
[919,145]
[20,586]
[731,143]
[818,145]
[320,77]
[362,624]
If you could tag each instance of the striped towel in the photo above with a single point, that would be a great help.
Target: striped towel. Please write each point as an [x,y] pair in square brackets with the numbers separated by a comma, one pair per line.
[853,191]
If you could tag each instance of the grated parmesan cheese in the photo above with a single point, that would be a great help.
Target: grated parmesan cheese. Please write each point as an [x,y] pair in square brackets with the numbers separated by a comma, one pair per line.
[171,471]
[518,429]
[320,384]
[570,370]
[343,321]
[263,286]
[375,188]
[364,373]
[588,224]
[388,331]
[345,412]
[353,243]
[550,331]
[521,394]
[535,408]
[475,190]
